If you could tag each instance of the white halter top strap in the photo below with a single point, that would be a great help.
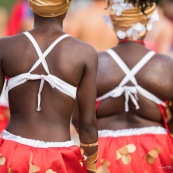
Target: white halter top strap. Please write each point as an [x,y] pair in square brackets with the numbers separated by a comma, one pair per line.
[54,81]
[4,95]
[122,65]
[130,91]
[41,55]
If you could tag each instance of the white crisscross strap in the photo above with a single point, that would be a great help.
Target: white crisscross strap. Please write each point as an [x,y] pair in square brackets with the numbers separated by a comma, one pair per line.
[130,91]
[54,81]
[4,95]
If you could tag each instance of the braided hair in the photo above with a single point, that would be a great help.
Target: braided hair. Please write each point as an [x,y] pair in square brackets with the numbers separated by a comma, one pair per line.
[142,4]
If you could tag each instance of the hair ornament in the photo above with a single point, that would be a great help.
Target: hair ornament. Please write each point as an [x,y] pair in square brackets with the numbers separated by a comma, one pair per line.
[132,32]
[154,17]
[119,6]
[128,19]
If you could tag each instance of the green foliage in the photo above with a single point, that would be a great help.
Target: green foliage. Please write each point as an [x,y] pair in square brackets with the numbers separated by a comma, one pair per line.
[7,3]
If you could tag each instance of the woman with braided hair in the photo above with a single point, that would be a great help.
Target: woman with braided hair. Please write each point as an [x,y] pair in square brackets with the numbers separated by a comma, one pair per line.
[48,70]
[134,92]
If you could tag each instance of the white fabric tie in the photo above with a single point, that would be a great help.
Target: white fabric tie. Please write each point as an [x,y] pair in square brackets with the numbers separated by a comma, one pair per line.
[39,93]
[130,92]
[52,80]
[43,79]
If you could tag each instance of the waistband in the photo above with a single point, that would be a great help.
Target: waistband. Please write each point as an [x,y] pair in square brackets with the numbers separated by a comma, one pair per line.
[34,143]
[133,131]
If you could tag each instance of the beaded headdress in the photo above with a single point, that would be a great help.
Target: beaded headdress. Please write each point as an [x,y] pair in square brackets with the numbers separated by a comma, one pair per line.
[129,21]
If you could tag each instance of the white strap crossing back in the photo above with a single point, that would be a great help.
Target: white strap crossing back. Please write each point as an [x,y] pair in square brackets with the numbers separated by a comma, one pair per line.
[54,81]
[130,91]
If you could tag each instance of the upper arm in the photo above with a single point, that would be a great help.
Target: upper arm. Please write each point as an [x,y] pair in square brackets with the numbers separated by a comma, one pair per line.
[86,95]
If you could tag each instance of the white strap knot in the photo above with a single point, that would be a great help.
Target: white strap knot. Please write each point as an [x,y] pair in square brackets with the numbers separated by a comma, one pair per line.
[39,92]
[50,81]
[43,79]
[130,92]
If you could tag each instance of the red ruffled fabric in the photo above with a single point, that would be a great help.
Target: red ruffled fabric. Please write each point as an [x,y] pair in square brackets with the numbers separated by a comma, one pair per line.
[19,158]
[4,117]
[147,153]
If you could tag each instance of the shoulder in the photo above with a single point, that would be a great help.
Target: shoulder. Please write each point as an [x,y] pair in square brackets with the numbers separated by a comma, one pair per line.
[81,49]
[3,40]
[9,43]
[105,65]
[10,39]
[4,45]
[164,63]
[103,58]
[165,59]
[103,54]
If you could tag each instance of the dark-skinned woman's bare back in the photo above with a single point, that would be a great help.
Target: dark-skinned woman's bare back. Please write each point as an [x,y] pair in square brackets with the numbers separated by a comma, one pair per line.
[156,77]
[69,61]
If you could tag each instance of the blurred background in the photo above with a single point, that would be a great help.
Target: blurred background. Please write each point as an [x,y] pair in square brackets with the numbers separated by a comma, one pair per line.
[85,20]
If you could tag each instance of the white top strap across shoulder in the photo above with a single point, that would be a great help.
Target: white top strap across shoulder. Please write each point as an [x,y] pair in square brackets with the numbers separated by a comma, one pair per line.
[54,81]
[41,55]
[130,91]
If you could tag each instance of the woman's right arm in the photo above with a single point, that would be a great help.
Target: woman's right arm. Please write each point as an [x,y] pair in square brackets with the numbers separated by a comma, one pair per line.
[86,98]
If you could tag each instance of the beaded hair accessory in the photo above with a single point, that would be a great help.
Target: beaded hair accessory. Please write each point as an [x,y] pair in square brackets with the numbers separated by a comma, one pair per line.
[129,21]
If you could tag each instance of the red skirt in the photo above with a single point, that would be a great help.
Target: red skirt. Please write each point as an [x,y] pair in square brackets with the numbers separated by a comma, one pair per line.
[142,150]
[20,155]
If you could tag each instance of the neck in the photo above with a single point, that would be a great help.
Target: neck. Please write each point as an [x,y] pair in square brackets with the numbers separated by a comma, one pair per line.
[48,23]
[127,40]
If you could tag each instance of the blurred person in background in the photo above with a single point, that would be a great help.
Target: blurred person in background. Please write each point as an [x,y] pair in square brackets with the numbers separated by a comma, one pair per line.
[134,94]
[3,21]
[160,38]
[20,19]
[87,24]
[43,88]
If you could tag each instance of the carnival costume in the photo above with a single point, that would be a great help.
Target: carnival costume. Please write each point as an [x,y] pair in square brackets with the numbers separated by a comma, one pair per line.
[134,150]
[21,155]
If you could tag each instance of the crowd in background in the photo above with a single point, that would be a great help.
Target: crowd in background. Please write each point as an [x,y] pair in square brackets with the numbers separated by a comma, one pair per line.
[89,23]
[86,20]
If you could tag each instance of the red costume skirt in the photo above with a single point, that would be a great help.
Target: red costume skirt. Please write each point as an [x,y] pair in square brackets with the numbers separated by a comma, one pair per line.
[4,117]
[140,150]
[21,155]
